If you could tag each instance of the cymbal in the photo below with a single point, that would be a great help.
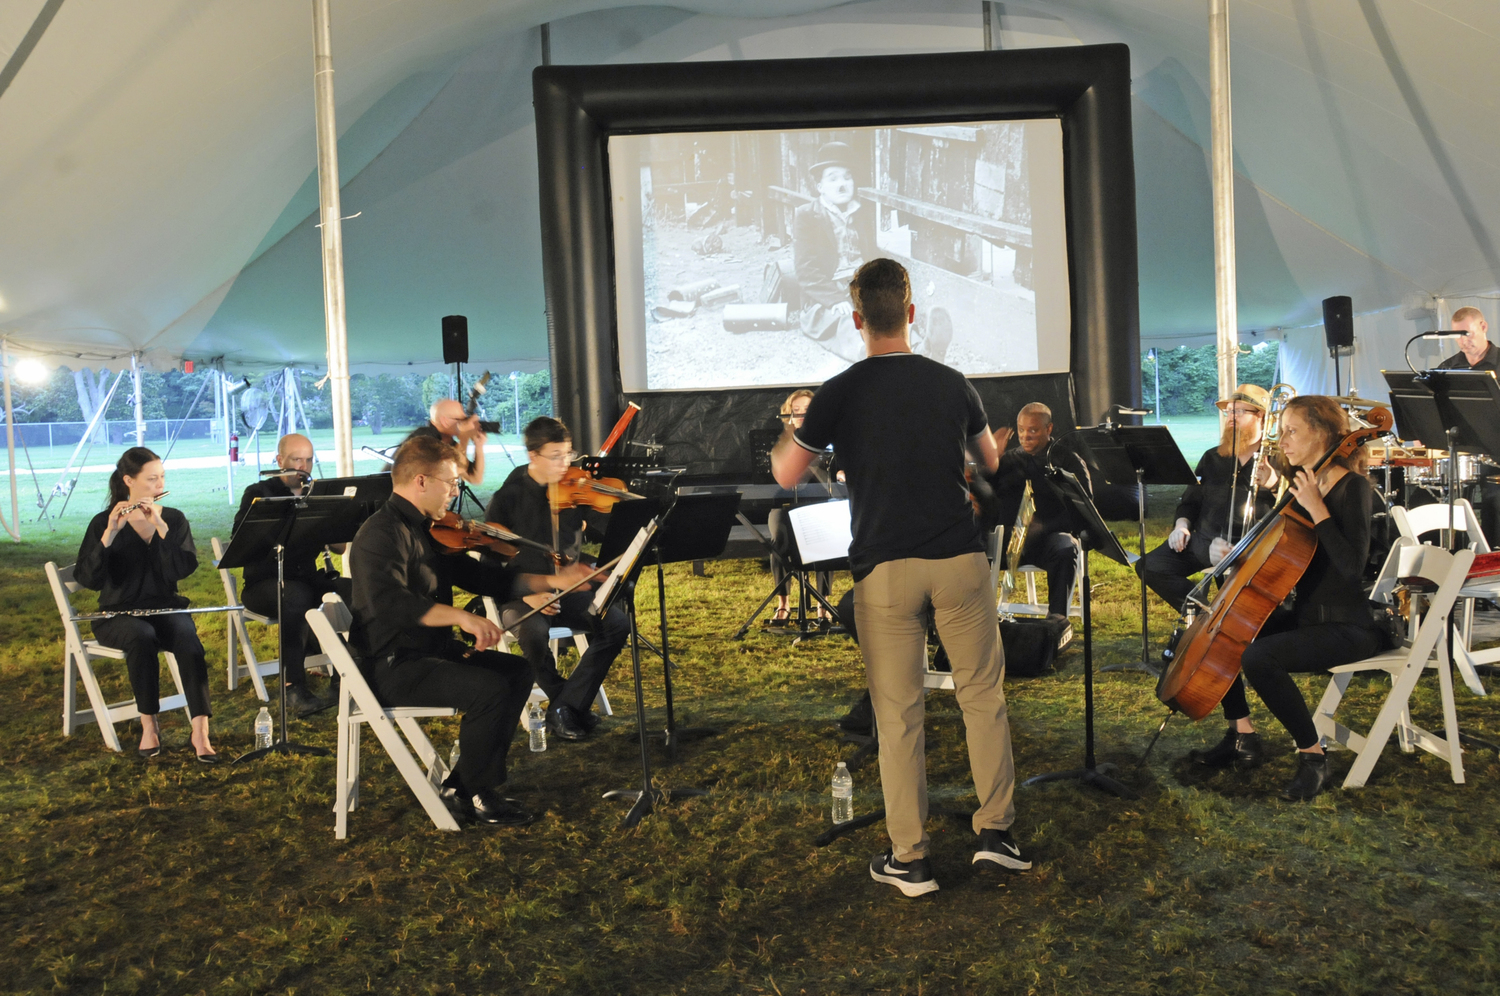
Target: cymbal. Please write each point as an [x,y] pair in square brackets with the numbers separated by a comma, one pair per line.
[1362,402]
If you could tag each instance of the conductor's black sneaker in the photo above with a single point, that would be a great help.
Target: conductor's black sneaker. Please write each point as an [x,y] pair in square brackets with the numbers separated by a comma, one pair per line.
[1000,848]
[913,878]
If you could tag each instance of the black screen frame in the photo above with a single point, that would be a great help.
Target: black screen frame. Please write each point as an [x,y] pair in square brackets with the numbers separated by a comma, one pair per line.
[1086,87]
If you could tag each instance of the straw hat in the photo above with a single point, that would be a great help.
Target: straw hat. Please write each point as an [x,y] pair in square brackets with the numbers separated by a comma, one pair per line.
[1250,394]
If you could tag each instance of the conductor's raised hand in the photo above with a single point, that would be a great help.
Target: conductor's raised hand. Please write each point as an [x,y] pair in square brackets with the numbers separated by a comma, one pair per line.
[485,633]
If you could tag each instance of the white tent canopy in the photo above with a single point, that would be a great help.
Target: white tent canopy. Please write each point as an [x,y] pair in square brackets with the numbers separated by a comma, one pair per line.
[158,192]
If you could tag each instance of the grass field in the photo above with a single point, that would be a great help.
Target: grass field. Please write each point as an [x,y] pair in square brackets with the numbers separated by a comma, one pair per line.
[120,875]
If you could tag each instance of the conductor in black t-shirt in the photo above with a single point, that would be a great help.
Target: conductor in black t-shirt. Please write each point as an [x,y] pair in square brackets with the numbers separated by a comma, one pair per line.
[900,425]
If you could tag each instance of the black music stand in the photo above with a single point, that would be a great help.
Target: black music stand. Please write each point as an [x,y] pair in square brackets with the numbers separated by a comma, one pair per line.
[1095,535]
[271,526]
[692,527]
[1140,455]
[1462,407]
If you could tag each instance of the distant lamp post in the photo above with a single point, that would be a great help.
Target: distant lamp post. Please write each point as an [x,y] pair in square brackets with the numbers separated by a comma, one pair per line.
[515,390]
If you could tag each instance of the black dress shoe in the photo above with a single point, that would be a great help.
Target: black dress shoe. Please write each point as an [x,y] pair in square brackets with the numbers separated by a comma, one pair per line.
[1237,750]
[590,720]
[860,717]
[1310,779]
[565,723]
[156,751]
[458,804]
[302,703]
[496,810]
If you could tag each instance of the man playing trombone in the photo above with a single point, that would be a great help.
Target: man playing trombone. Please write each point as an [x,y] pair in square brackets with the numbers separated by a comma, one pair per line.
[1214,513]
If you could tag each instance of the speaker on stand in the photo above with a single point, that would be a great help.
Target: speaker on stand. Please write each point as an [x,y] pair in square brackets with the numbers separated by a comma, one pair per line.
[456,348]
[1338,329]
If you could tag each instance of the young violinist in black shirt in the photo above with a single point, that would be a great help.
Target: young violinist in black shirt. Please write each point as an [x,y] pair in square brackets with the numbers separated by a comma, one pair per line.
[403,627]
[522,506]
[133,554]
[1331,622]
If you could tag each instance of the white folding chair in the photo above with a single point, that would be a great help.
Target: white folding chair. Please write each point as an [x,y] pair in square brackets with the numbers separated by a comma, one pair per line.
[1424,519]
[555,636]
[358,705]
[239,637]
[1031,607]
[1424,650]
[78,657]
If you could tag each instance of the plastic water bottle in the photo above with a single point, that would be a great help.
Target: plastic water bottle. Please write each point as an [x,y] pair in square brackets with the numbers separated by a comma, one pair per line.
[536,721]
[263,728]
[843,794]
[453,757]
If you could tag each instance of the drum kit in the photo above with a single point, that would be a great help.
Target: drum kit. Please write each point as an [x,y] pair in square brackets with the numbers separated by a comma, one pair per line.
[1418,475]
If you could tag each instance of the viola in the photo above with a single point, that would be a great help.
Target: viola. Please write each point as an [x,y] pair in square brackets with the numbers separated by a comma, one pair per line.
[581,489]
[459,535]
[1204,652]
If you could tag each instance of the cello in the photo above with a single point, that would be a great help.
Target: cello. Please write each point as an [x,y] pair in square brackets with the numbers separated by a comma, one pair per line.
[1203,654]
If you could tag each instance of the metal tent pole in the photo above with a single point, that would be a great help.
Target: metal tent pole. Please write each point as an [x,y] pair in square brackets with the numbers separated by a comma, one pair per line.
[14,526]
[333,239]
[135,378]
[1222,129]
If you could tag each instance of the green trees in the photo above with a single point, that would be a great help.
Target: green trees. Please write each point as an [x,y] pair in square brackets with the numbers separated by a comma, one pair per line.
[1190,376]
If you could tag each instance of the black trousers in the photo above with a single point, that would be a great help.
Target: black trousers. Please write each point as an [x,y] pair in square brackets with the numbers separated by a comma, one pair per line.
[1166,571]
[302,594]
[1057,554]
[1273,657]
[606,637]
[143,638]
[784,542]
[490,690]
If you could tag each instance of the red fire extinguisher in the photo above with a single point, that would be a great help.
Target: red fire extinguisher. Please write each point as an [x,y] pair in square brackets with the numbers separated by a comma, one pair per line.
[234,447]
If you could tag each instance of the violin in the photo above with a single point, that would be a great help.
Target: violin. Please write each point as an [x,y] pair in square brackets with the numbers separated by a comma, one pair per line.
[1204,652]
[579,488]
[455,534]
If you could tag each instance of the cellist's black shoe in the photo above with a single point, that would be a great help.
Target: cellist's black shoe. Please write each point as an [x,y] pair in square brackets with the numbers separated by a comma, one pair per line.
[1310,779]
[1236,750]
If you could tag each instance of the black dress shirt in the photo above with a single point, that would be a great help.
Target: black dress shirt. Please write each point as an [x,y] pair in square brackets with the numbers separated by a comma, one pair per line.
[1206,504]
[399,575]
[1053,513]
[1489,361]
[132,573]
[298,562]
[521,506]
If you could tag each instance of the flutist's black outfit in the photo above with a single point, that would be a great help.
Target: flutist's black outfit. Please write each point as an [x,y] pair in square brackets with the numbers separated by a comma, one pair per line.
[521,505]
[132,573]
[1050,543]
[1207,506]
[398,576]
[305,585]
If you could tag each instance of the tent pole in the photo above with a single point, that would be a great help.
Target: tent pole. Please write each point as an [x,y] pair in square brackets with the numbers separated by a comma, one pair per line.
[14,526]
[333,239]
[1222,132]
[135,377]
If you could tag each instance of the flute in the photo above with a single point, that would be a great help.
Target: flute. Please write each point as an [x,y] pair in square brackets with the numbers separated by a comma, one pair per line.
[131,508]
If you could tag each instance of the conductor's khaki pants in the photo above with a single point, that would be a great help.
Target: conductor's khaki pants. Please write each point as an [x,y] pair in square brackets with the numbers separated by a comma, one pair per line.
[890,610]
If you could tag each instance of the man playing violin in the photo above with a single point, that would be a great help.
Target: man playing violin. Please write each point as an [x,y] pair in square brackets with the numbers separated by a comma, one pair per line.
[1330,622]
[1050,543]
[403,627]
[522,506]
[1200,536]
[447,421]
[305,584]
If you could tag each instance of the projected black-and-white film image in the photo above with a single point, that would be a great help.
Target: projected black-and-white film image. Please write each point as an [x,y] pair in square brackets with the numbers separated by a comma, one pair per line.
[734,249]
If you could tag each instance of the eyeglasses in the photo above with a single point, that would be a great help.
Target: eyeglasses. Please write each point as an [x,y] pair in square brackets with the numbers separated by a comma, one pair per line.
[453,485]
[561,458]
[1235,412]
[792,416]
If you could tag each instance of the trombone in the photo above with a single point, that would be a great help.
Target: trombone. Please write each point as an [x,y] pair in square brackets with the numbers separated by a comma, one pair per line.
[1270,449]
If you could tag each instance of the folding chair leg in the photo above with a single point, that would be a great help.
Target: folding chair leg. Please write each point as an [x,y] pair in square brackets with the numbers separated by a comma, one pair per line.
[341,782]
[1450,723]
[1328,705]
[416,778]
[96,699]
[231,651]
[1385,723]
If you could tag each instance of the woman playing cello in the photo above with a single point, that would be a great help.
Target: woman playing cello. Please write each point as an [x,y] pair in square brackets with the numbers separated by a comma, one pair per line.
[1330,623]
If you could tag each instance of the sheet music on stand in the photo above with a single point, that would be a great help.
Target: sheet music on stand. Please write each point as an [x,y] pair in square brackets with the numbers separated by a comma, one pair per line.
[823,531]
[623,567]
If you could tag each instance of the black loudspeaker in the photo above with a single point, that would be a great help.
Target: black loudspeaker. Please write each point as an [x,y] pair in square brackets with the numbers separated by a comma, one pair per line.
[1338,322]
[456,338]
